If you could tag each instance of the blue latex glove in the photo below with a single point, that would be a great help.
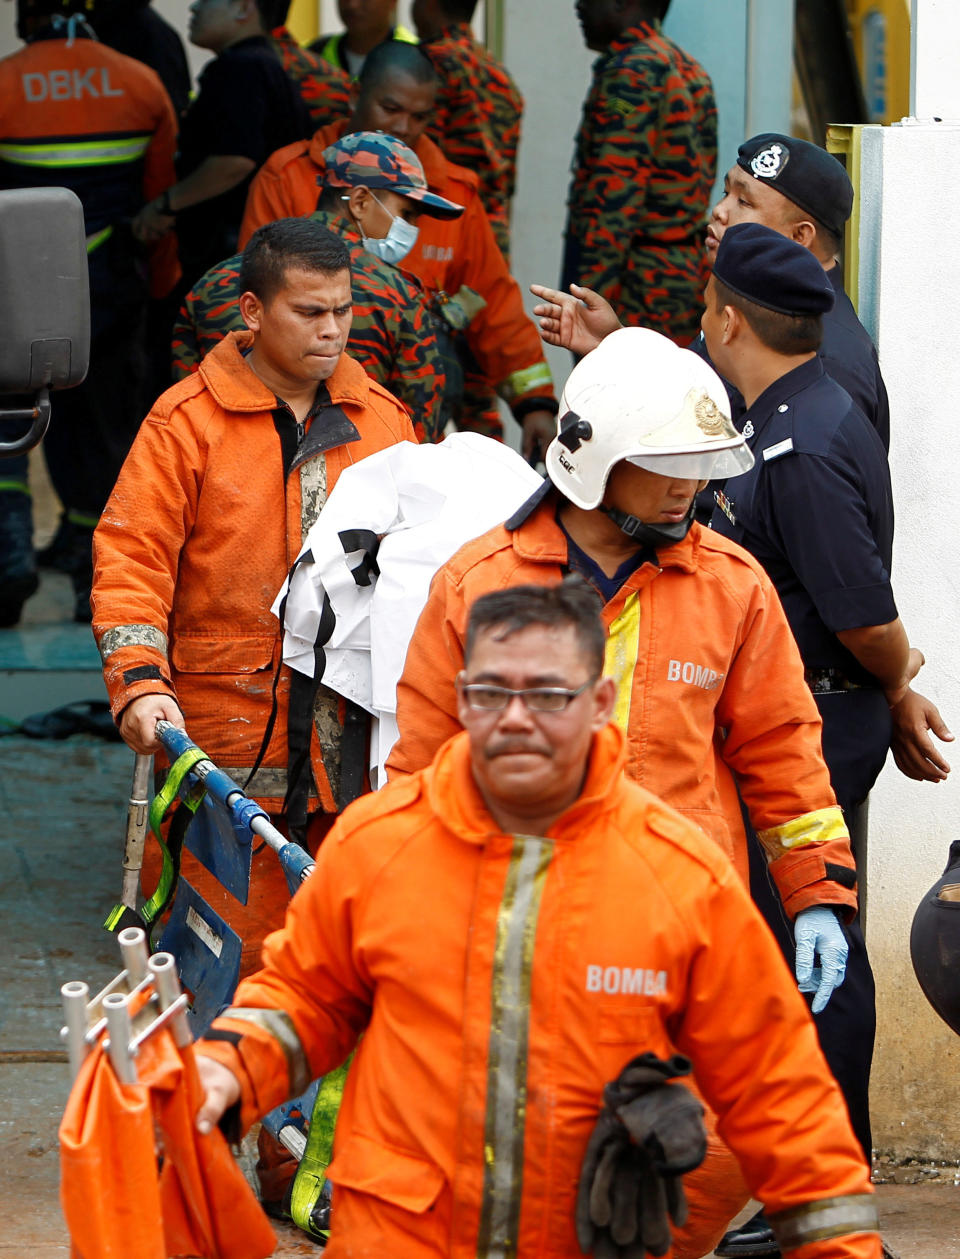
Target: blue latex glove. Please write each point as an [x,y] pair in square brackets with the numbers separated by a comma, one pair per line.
[818,930]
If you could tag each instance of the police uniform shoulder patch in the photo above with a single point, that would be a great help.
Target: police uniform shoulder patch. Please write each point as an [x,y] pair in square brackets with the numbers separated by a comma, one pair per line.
[769,162]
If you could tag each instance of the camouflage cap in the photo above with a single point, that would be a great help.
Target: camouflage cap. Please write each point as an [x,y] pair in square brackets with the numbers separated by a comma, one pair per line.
[377,160]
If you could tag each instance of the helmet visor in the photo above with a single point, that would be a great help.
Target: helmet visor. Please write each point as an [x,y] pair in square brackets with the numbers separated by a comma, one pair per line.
[702,465]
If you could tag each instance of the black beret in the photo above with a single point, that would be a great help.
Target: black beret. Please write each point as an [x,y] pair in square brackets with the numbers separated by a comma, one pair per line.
[807,175]
[769,269]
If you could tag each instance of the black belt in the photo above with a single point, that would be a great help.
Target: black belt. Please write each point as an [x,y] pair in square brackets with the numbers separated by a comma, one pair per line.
[833,681]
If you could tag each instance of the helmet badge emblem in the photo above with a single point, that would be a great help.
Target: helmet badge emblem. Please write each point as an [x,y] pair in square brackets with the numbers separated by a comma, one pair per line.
[710,419]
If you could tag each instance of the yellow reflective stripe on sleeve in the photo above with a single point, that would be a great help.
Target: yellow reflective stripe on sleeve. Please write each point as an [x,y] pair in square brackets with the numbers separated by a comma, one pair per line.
[620,659]
[131,636]
[279,1025]
[505,1123]
[82,153]
[524,381]
[96,240]
[820,1221]
[809,828]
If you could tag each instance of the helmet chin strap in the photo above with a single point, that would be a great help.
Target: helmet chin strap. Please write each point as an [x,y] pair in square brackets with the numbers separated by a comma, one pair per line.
[655,536]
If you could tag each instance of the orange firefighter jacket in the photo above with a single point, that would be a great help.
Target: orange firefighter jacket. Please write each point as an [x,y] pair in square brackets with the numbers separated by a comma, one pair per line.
[498,981]
[709,681]
[449,255]
[77,114]
[197,538]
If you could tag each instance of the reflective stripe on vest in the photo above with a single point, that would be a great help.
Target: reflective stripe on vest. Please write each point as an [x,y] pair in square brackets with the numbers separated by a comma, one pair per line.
[820,826]
[536,376]
[820,1221]
[279,1025]
[330,52]
[96,240]
[620,657]
[82,153]
[509,1038]
[132,636]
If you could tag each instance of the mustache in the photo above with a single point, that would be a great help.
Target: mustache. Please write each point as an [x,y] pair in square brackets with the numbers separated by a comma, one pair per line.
[511,747]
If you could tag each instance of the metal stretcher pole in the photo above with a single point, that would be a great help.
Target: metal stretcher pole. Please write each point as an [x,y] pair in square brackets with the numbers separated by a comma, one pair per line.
[136,834]
[74,996]
[133,951]
[163,968]
[296,861]
[117,1014]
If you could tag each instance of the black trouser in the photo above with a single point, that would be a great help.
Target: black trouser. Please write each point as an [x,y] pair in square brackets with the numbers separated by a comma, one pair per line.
[93,426]
[856,737]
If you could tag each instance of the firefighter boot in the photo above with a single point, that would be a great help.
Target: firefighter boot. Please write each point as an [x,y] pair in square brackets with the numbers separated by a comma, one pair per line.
[753,1239]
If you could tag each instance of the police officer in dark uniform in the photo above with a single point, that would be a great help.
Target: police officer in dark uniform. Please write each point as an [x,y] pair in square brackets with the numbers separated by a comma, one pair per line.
[816,510]
[803,192]
[246,108]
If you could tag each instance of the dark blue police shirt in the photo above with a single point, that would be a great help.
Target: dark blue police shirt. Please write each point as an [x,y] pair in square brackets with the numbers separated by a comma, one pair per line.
[849,357]
[816,510]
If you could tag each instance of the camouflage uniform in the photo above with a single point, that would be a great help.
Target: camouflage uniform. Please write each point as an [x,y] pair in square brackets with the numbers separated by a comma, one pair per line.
[477,120]
[643,172]
[391,337]
[325,89]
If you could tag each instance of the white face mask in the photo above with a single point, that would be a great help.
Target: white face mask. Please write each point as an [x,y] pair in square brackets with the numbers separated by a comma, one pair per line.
[397,243]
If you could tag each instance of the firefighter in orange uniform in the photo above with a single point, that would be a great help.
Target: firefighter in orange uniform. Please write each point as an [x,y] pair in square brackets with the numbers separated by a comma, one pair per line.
[229,471]
[456,260]
[76,114]
[698,639]
[572,921]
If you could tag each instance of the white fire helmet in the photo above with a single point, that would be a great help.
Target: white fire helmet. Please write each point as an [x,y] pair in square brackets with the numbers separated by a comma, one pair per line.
[639,397]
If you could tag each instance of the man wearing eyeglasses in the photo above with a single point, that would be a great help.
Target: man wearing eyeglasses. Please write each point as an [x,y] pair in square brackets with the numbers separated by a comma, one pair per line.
[499,935]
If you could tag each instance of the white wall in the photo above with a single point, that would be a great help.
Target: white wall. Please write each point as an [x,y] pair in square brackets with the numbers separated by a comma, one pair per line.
[909,278]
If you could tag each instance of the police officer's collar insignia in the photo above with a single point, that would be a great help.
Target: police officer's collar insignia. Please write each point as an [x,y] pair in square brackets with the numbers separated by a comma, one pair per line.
[748,429]
[769,162]
[725,504]
[710,419]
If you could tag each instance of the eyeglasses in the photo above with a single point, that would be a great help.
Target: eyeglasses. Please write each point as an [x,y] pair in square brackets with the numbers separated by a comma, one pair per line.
[538,699]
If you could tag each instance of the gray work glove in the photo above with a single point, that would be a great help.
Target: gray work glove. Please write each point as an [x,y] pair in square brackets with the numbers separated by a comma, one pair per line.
[648,1134]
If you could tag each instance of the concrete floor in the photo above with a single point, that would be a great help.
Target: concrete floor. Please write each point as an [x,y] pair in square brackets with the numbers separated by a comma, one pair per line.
[63,806]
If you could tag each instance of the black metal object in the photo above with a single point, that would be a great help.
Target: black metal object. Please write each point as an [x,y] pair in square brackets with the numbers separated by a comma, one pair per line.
[935,942]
